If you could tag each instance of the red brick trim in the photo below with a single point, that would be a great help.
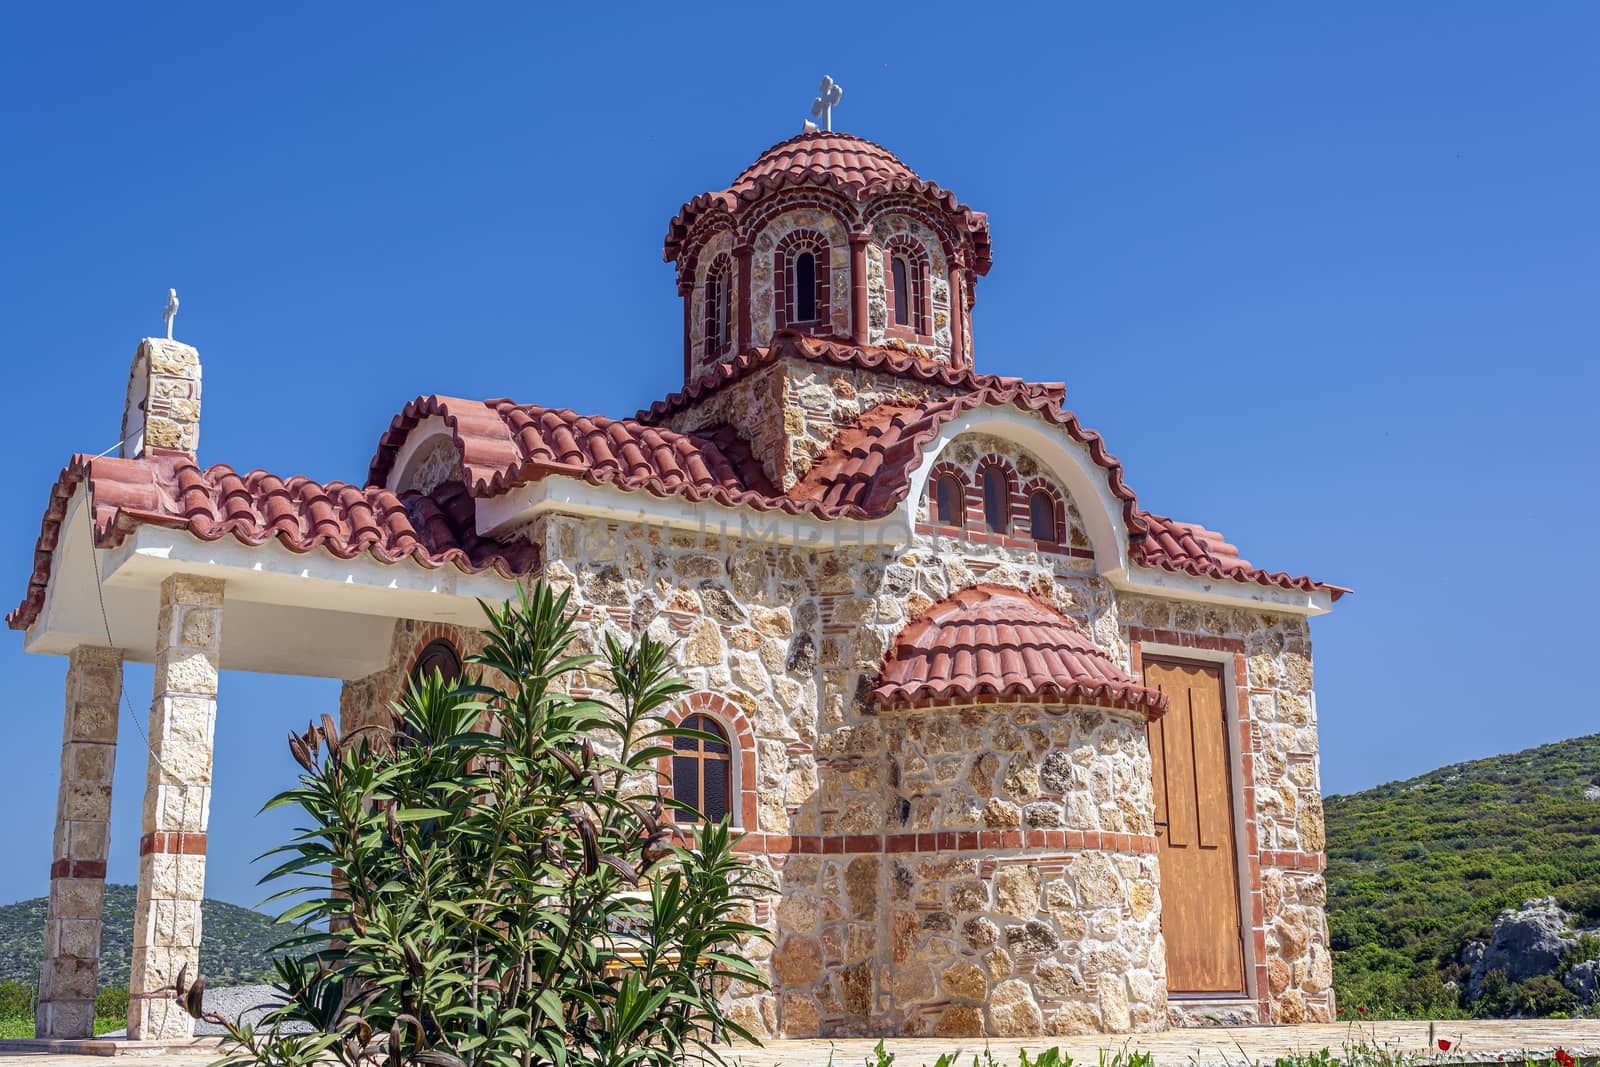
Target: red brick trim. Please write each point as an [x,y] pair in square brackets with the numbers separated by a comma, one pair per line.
[984,537]
[919,327]
[421,639]
[750,224]
[946,841]
[78,869]
[1058,512]
[977,515]
[945,469]
[914,207]
[1295,861]
[720,272]
[1141,634]
[794,244]
[741,734]
[172,843]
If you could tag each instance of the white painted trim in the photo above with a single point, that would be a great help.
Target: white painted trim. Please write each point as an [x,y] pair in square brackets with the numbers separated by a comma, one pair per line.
[425,432]
[1085,482]
[558,494]
[1232,713]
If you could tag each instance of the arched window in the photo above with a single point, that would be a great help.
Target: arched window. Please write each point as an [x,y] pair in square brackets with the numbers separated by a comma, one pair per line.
[719,307]
[996,500]
[949,507]
[800,271]
[805,287]
[702,770]
[441,656]
[906,267]
[1042,516]
[902,291]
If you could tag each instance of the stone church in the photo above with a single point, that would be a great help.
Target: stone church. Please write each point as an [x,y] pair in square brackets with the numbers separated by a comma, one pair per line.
[1021,756]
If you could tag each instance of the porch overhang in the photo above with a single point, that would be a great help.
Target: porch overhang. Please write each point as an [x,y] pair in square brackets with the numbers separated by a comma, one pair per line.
[303,613]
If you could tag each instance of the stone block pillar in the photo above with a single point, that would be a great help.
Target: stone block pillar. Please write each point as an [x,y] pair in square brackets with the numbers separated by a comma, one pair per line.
[177,803]
[71,968]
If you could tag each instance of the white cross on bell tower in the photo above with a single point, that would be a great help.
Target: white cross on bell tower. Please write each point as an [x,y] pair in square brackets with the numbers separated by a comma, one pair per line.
[822,107]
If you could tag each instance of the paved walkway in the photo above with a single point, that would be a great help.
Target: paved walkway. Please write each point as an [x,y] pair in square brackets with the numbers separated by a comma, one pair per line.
[1471,1042]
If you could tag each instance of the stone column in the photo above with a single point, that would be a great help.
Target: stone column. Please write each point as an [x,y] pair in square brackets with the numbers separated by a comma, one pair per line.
[958,301]
[858,288]
[745,270]
[177,802]
[83,836]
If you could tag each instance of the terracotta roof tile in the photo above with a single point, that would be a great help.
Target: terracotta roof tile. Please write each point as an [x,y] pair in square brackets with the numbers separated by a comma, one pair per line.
[169,489]
[1189,548]
[851,166]
[863,474]
[995,642]
[787,344]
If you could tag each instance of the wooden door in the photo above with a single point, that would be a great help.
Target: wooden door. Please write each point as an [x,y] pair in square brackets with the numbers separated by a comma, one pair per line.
[1194,826]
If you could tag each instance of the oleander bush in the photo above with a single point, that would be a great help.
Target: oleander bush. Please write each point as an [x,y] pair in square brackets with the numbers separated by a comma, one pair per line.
[504,884]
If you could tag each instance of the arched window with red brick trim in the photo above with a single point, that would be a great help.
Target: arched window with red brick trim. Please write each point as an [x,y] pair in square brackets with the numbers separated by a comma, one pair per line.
[1042,524]
[800,272]
[947,504]
[996,486]
[719,307]
[906,267]
[702,770]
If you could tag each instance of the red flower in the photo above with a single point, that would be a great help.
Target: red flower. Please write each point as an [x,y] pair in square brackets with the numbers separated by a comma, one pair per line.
[1564,1058]
[1444,1046]
[1363,1011]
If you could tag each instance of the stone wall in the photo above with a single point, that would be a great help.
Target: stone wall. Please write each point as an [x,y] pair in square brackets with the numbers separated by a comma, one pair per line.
[792,410]
[763,287]
[958,871]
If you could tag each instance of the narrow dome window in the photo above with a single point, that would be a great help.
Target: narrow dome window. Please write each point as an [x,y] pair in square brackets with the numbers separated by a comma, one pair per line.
[996,501]
[719,308]
[805,287]
[948,507]
[902,291]
[1042,516]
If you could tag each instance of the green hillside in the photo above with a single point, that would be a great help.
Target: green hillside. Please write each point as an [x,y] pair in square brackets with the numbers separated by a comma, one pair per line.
[236,948]
[1417,869]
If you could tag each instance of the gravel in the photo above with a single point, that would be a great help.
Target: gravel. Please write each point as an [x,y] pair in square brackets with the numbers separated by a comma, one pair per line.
[234,1002]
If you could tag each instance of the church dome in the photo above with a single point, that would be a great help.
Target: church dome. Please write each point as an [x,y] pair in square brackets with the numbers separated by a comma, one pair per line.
[851,166]
[831,236]
[825,158]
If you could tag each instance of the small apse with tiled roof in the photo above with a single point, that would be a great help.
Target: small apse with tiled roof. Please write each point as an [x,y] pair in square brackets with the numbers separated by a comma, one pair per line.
[1021,756]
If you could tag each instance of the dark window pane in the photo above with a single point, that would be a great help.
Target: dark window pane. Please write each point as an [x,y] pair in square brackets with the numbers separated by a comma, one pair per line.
[996,506]
[686,784]
[439,656]
[715,803]
[805,287]
[947,502]
[1042,516]
[902,293]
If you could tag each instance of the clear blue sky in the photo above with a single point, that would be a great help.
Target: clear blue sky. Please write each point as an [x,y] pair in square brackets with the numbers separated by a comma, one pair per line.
[1328,280]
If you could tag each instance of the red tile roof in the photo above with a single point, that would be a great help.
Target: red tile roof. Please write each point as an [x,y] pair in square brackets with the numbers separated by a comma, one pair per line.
[521,443]
[787,344]
[853,167]
[169,489]
[863,474]
[992,642]
[1189,548]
